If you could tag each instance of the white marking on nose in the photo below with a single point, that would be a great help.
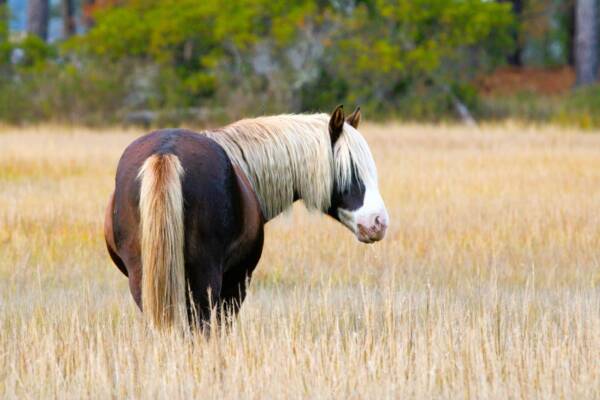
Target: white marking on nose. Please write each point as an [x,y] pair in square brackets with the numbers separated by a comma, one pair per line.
[369,222]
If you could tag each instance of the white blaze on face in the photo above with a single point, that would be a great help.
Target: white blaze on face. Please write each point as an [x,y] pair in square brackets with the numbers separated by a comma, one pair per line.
[370,221]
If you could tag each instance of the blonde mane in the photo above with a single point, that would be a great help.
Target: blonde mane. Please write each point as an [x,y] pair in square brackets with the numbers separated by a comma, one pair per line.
[290,156]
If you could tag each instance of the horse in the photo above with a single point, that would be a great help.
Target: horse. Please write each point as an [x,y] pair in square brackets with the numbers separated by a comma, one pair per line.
[185,222]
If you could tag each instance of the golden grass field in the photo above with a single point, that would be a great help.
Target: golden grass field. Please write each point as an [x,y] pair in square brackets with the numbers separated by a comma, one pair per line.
[487,285]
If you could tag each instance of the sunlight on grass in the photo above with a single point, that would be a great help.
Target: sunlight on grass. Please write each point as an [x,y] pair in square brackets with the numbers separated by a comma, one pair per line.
[485,287]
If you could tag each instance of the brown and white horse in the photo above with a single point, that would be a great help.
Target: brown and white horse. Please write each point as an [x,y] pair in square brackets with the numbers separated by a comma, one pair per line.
[185,221]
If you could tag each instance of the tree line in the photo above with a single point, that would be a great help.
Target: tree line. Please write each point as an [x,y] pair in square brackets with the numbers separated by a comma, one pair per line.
[176,59]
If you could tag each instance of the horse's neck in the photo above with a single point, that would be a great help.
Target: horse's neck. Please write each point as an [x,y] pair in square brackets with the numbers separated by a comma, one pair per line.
[277,192]
[291,164]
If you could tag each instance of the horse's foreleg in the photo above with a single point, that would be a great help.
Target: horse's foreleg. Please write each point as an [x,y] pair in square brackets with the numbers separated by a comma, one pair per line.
[135,282]
[238,277]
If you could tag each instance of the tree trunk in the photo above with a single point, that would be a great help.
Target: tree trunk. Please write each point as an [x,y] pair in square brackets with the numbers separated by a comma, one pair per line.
[515,58]
[3,20]
[37,18]
[586,41]
[68,18]
[570,21]
[88,6]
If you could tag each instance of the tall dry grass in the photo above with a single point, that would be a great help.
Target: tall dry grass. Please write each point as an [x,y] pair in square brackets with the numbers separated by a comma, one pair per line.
[487,285]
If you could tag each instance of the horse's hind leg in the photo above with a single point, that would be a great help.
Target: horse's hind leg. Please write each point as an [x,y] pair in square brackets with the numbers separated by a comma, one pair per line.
[109,236]
[233,291]
[204,290]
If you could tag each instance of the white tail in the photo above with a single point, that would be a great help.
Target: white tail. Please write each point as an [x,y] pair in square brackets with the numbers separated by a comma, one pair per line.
[162,241]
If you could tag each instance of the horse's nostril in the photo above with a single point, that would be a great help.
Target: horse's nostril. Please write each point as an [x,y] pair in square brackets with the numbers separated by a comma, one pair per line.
[380,222]
[361,228]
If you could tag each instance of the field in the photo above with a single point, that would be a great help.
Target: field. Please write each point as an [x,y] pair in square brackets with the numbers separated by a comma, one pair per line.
[487,285]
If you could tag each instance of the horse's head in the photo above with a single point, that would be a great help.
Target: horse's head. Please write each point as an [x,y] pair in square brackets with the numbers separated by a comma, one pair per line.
[355,200]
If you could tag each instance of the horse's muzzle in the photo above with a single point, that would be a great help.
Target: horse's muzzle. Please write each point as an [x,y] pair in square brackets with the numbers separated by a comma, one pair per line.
[374,230]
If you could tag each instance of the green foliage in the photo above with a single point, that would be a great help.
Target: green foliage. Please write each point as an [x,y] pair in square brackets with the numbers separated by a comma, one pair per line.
[401,43]
[3,23]
[580,108]
[91,96]
[399,57]
[546,32]
[190,40]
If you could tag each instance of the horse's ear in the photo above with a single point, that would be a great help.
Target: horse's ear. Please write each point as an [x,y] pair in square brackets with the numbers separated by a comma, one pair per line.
[354,118]
[336,124]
